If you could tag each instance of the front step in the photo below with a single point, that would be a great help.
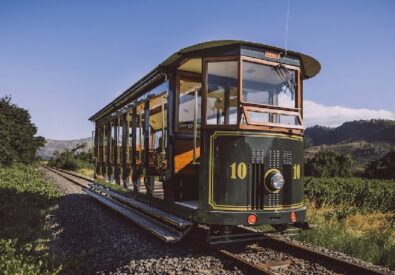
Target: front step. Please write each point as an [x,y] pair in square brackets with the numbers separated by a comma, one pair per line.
[150,210]
[157,227]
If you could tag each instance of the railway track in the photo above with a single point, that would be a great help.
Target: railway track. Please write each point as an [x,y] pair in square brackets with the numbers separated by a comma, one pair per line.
[296,257]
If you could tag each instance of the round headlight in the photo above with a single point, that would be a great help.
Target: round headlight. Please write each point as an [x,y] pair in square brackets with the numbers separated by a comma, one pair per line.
[277,181]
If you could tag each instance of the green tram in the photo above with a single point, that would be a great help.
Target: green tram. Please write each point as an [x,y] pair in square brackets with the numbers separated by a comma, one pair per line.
[213,135]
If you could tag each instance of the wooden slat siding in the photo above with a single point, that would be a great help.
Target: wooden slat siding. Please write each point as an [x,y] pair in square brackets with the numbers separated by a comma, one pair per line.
[184,155]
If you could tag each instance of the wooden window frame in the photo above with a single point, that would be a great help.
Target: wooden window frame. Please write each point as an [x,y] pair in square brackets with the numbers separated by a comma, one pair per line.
[246,110]
[204,124]
[274,127]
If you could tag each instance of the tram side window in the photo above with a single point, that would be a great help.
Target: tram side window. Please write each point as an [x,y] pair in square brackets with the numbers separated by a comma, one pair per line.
[158,125]
[186,103]
[222,92]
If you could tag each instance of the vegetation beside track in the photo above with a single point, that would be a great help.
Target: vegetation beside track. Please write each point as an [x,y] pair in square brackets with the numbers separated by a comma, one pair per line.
[25,232]
[354,216]
[75,159]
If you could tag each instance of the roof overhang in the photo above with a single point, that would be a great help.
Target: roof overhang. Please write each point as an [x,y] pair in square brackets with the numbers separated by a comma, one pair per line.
[310,67]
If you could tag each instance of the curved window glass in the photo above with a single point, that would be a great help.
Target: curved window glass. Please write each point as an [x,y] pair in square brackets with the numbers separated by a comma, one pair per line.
[268,85]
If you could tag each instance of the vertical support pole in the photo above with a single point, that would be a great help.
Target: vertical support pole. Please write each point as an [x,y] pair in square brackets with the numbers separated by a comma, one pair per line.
[104,153]
[117,159]
[95,149]
[195,115]
[169,184]
[109,152]
[141,129]
[148,180]
[226,105]
[163,151]
[125,148]
[135,175]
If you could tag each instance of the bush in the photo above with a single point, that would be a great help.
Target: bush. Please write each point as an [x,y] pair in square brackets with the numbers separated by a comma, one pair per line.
[25,201]
[329,164]
[366,194]
[383,168]
[72,159]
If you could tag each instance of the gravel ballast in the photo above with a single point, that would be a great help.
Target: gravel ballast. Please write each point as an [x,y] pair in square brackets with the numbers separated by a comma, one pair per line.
[91,238]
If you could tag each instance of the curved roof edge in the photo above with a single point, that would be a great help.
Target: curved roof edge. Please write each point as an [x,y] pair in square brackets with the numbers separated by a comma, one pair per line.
[310,65]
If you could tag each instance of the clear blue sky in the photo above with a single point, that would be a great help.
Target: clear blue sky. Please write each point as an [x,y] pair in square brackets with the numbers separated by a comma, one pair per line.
[64,60]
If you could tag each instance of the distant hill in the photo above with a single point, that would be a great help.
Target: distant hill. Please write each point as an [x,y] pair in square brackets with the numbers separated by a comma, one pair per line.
[364,140]
[53,145]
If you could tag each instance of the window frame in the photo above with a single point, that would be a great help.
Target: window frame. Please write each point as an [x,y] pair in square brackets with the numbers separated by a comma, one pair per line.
[188,76]
[204,124]
[274,127]
[297,108]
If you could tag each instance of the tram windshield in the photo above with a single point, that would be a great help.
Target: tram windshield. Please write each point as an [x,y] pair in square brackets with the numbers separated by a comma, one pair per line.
[268,85]
[265,86]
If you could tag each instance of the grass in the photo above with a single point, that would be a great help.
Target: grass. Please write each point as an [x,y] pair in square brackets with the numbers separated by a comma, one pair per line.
[87,172]
[116,188]
[26,199]
[354,216]
[367,236]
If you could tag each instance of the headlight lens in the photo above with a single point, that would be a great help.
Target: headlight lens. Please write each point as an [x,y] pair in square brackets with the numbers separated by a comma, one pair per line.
[277,181]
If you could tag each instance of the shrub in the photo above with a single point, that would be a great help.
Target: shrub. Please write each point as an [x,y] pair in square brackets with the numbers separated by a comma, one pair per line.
[366,194]
[72,159]
[25,201]
[329,164]
[383,168]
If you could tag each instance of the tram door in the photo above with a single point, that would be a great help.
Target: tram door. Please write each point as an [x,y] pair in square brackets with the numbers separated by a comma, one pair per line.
[187,143]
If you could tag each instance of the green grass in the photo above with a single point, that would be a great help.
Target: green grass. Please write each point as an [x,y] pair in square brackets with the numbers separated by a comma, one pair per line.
[26,199]
[354,216]
[116,188]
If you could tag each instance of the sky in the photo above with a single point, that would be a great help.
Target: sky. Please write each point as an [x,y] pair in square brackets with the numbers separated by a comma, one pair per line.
[64,60]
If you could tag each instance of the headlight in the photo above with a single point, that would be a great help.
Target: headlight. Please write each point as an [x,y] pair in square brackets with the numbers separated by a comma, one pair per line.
[277,181]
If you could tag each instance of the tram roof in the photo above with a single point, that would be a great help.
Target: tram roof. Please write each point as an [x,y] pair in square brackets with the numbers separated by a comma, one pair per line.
[310,67]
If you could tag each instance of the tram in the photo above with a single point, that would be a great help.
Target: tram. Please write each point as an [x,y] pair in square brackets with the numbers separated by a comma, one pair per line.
[213,135]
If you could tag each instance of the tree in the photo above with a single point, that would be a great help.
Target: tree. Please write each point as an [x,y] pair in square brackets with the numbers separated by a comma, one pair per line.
[383,168]
[18,140]
[329,164]
[71,159]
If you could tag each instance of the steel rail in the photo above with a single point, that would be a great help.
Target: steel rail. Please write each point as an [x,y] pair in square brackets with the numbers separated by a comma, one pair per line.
[315,256]
[61,173]
[300,251]
[251,267]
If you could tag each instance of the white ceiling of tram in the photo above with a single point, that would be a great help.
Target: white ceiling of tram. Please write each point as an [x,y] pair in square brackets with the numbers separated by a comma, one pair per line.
[193,65]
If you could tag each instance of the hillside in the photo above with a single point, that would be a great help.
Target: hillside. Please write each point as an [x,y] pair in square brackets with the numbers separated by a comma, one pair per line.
[53,145]
[364,140]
